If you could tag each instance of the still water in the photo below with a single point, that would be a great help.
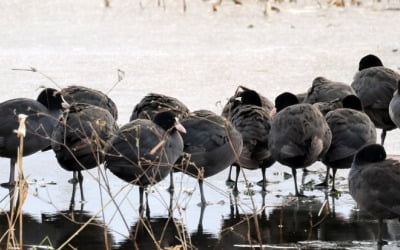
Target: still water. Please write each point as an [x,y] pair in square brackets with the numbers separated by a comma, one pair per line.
[199,56]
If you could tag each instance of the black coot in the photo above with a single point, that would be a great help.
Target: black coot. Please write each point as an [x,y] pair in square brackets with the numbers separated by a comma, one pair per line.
[374,183]
[80,94]
[212,144]
[249,113]
[299,134]
[143,152]
[351,130]
[375,85]
[325,90]
[42,115]
[154,103]
[79,138]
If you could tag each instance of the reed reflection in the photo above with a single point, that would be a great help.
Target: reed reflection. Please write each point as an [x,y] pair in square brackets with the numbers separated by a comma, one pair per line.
[157,233]
[65,230]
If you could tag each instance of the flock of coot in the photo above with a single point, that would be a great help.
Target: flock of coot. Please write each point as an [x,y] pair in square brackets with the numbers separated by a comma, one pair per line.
[333,122]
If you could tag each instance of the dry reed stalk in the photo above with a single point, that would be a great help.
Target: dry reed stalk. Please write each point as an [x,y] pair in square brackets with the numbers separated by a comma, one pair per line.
[184,5]
[21,188]
[121,75]
[32,69]
[22,185]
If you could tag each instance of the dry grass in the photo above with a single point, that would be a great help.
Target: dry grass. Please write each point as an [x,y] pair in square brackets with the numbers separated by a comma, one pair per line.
[158,234]
[18,195]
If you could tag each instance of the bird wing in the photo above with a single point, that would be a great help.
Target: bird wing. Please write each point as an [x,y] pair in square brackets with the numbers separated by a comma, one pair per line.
[324,90]
[350,131]
[153,103]
[203,134]
[382,184]
[375,86]
[253,123]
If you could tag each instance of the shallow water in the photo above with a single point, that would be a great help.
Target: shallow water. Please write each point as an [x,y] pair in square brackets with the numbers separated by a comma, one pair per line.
[200,57]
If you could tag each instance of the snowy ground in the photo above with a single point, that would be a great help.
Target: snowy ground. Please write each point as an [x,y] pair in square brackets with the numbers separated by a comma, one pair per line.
[200,57]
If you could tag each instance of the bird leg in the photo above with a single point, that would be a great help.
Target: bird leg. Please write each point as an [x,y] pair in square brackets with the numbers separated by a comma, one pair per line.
[380,229]
[263,182]
[203,199]
[229,182]
[74,182]
[80,181]
[74,179]
[142,207]
[147,206]
[325,182]
[235,190]
[141,190]
[383,136]
[11,181]
[171,182]
[333,190]
[295,183]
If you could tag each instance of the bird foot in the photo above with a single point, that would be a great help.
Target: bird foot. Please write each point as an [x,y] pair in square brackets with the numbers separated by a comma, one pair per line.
[299,195]
[171,189]
[235,192]
[262,183]
[83,202]
[229,183]
[321,185]
[8,185]
[335,193]
[382,242]
[73,181]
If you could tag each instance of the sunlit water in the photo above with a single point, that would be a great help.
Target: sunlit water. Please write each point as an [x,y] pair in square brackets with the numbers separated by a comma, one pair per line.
[199,57]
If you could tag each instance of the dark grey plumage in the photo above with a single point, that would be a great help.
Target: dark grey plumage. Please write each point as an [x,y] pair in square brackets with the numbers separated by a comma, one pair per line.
[374,183]
[299,135]
[375,85]
[249,113]
[325,90]
[80,94]
[235,101]
[154,103]
[42,115]
[351,130]
[143,152]
[212,144]
[394,107]
[79,138]
[301,97]
[325,107]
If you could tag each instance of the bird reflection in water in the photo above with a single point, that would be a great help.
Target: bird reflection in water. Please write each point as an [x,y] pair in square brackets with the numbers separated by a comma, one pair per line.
[291,222]
[202,239]
[65,230]
[304,223]
[157,233]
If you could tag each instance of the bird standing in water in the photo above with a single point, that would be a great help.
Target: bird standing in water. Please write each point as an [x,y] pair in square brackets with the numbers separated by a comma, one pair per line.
[41,116]
[143,152]
[374,183]
[375,85]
